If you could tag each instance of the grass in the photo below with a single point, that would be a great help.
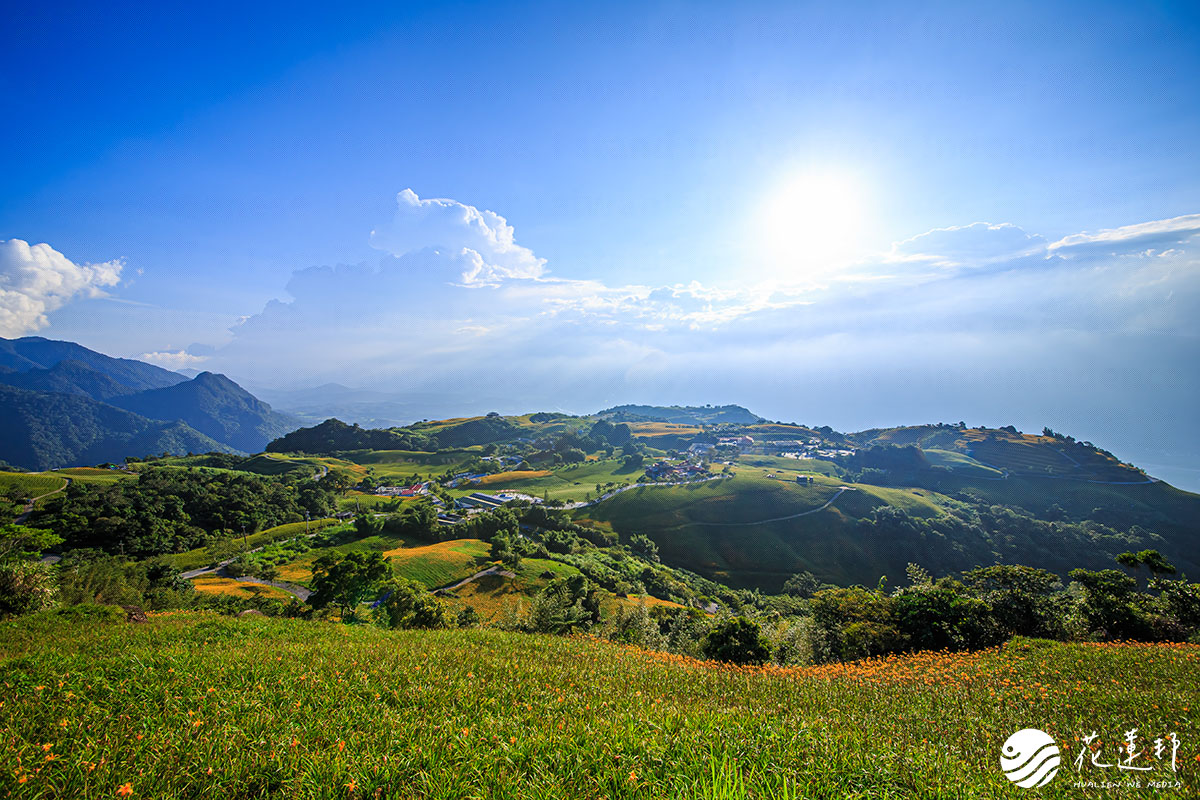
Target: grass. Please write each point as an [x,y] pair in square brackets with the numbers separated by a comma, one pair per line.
[432,564]
[396,464]
[195,705]
[961,463]
[502,479]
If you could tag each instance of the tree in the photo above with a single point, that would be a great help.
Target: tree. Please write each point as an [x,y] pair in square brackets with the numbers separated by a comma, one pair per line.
[1022,599]
[25,587]
[644,546]
[803,584]
[1108,604]
[1152,559]
[564,605]
[938,616]
[346,582]
[368,525]
[737,641]
[19,542]
[509,549]
[407,604]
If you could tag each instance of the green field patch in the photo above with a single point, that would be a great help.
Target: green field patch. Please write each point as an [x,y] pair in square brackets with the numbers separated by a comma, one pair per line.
[790,466]
[573,482]
[195,559]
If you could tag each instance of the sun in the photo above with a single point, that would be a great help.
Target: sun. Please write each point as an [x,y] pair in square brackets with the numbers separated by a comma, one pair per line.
[810,224]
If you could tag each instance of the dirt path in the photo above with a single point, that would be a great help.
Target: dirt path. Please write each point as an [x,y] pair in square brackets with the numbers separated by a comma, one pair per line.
[828,503]
[28,509]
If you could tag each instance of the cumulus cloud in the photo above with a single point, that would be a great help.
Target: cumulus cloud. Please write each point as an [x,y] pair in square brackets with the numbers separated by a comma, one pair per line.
[479,244]
[37,279]
[978,316]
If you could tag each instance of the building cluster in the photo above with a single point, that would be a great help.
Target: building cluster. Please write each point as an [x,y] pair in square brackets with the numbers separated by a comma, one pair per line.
[665,471]
[403,491]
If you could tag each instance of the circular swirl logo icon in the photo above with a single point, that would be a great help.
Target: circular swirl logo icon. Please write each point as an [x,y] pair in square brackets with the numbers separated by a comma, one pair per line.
[1029,758]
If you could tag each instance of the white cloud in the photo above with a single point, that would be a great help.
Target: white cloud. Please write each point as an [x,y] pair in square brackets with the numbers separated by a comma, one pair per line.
[479,244]
[37,279]
[1175,230]
[177,359]
[957,318]
[979,244]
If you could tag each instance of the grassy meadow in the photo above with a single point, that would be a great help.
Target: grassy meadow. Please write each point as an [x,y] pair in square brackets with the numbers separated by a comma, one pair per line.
[197,705]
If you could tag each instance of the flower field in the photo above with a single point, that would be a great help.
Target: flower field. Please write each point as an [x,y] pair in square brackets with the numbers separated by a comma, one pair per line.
[198,705]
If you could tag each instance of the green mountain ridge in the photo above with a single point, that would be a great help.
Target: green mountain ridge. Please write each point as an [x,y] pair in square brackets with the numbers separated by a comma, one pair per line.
[42,430]
[35,352]
[215,406]
[95,408]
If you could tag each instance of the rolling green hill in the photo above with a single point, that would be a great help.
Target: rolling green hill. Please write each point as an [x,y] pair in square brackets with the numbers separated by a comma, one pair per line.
[731,531]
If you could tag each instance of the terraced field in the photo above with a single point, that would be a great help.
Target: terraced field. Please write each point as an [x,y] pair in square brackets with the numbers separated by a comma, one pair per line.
[94,475]
[439,564]
[210,584]
[31,484]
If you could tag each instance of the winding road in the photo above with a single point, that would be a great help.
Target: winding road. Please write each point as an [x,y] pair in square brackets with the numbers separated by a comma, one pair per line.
[28,509]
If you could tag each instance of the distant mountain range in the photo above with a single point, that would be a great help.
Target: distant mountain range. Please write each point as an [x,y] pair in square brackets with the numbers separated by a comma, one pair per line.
[62,404]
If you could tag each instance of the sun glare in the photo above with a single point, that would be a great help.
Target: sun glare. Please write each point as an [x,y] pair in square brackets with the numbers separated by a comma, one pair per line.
[811,224]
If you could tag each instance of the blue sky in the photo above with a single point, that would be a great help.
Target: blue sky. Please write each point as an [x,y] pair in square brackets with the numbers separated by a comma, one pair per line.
[770,203]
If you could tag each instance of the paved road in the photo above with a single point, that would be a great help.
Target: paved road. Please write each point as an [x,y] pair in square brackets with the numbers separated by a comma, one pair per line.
[299,592]
[828,503]
[492,570]
[28,509]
